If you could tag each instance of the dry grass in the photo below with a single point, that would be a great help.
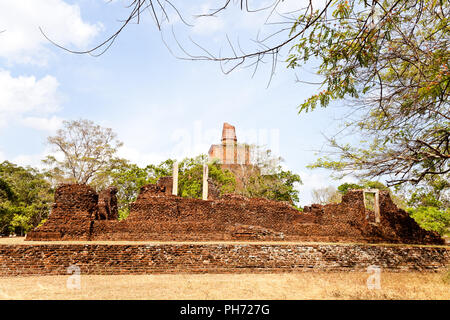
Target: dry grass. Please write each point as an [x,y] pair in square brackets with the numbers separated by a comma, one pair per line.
[309,285]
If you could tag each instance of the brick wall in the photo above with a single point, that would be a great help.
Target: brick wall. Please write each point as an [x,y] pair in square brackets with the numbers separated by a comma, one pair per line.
[157,216]
[54,259]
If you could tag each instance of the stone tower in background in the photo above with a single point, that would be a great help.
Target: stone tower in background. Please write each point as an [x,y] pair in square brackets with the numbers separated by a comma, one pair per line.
[229,152]
[232,155]
[228,134]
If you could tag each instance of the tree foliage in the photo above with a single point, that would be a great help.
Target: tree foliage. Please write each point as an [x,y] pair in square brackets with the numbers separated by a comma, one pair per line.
[128,178]
[191,177]
[25,198]
[88,149]
[432,218]
[267,178]
[345,187]
[390,60]
[431,193]
[280,185]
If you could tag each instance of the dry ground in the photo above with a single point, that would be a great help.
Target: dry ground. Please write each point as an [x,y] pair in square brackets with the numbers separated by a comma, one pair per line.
[308,285]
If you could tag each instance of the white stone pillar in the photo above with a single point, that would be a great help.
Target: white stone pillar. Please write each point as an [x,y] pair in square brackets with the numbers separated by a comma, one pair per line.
[376,207]
[205,182]
[175,179]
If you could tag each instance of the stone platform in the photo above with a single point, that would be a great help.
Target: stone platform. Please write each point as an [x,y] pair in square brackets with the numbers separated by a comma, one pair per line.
[19,258]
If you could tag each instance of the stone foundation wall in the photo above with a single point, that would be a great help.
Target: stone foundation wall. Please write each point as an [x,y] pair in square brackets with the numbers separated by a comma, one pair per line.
[101,259]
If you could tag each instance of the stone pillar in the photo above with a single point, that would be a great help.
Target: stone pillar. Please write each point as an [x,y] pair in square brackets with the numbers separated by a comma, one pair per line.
[376,207]
[205,182]
[175,179]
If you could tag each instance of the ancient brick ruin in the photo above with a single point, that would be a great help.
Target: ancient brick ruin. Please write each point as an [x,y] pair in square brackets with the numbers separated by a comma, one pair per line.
[79,213]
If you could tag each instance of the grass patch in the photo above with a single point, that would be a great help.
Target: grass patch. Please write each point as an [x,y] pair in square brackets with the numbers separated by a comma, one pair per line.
[308,285]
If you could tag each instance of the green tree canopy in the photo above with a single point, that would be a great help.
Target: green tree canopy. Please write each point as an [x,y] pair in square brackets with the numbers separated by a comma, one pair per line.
[432,218]
[190,178]
[433,192]
[343,188]
[267,178]
[25,198]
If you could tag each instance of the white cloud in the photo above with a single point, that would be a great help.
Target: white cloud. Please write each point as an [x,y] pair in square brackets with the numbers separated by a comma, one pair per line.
[43,124]
[34,160]
[23,42]
[141,158]
[28,99]
[208,25]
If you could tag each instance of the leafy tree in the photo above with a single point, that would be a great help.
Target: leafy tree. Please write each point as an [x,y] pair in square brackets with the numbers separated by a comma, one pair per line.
[20,222]
[432,218]
[267,178]
[190,179]
[431,193]
[163,169]
[88,150]
[390,60]
[345,187]
[5,191]
[6,217]
[25,198]
[279,185]
[428,203]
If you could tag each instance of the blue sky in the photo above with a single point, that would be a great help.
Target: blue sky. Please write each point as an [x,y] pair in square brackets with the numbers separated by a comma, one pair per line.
[159,106]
